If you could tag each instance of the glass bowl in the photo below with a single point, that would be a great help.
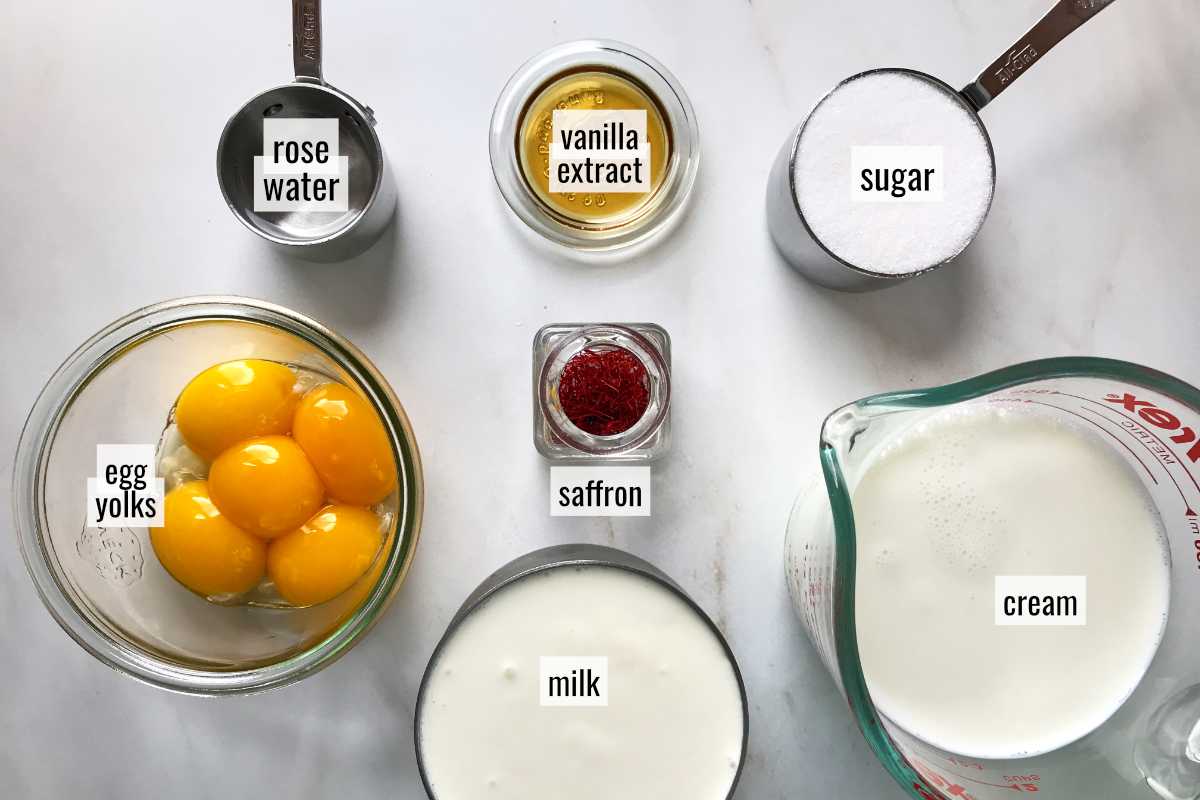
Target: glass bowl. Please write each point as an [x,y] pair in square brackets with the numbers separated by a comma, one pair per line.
[105,587]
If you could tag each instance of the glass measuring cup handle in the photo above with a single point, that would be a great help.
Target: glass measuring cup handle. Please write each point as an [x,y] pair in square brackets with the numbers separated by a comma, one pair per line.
[1168,753]
[1062,19]
[306,40]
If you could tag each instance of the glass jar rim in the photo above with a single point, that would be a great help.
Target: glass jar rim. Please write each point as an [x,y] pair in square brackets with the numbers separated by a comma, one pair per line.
[647,73]
[72,378]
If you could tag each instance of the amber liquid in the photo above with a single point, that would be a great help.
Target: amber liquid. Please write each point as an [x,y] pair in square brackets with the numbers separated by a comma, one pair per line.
[585,91]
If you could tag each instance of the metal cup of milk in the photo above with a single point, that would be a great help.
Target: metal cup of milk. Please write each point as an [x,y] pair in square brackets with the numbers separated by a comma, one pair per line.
[892,173]
[906,560]
[581,671]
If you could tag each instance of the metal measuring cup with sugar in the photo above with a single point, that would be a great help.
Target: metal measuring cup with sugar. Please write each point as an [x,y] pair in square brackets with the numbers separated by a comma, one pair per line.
[312,235]
[791,231]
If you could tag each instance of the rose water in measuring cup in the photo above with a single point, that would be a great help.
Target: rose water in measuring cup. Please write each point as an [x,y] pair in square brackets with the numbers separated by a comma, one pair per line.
[1002,576]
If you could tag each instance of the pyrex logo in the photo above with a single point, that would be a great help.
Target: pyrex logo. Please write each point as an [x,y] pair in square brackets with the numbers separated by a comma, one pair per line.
[1184,435]
[1160,418]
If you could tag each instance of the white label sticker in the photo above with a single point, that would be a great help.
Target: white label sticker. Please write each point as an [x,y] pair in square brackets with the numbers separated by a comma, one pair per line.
[300,144]
[599,491]
[897,174]
[1041,600]
[125,492]
[300,168]
[573,680]
[302,192]
[599,151]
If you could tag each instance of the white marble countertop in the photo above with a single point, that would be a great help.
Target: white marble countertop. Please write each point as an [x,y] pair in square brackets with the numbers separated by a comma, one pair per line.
[110,124]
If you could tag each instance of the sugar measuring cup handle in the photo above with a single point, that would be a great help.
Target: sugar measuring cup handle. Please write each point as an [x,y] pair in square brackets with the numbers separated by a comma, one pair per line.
[1061,20]
[306,40]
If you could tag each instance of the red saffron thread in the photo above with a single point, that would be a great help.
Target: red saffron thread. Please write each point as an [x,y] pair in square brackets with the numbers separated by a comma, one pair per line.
[604,392]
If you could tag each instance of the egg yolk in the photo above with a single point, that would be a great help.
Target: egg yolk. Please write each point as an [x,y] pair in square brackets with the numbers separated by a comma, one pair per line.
[346,442]
[234,401]
[202,549]
[266,485]
[326,556]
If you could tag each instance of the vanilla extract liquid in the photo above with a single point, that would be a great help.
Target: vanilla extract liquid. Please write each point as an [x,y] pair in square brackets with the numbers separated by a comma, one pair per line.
[585,91]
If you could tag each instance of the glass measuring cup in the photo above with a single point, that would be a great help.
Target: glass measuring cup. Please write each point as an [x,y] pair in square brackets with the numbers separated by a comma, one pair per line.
[106,587]
[1150,747]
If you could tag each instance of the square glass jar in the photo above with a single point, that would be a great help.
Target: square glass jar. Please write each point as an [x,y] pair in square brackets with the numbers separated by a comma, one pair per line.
[556,437]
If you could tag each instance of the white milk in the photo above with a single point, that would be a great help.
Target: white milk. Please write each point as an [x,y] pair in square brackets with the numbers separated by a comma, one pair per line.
[892,109]
[672,729]
[987,490]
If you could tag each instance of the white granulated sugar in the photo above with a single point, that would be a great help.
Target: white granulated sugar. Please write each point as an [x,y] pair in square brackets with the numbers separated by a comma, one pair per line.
[892,108]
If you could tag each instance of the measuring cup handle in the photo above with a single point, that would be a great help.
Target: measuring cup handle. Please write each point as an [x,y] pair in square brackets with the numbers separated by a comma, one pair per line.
[1062,19]
[306,40]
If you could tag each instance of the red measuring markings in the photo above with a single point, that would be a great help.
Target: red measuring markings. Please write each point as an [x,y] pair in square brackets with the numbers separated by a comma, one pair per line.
[1162,452]
[1160,419]
[944,787]
[1022,784]
[1185,435]
[1121,442]
[1196,540]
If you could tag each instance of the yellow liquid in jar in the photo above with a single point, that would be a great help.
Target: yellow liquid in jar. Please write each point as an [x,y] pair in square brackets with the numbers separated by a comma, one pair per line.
[584,91]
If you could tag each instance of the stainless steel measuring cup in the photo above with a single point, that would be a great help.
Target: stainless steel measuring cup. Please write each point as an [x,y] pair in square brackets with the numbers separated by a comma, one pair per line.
[791,233]
[568,556]
[321,235]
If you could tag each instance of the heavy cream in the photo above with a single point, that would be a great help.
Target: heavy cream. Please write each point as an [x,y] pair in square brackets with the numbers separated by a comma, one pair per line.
[993,490]
[672,728]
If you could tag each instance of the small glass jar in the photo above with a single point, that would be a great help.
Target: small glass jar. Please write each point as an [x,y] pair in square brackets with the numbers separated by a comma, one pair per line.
[593,75]
[560,439]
